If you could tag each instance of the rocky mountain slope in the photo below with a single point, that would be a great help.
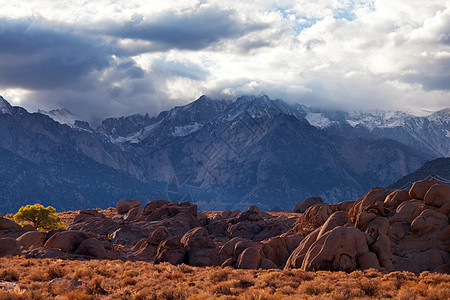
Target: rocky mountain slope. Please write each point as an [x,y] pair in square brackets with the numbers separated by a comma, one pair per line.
[217,154]
[401,230]
[437,169]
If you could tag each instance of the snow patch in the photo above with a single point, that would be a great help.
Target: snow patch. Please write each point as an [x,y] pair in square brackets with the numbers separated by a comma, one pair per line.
[318,120]
[4,106]
[62,116]
[186,130]
[353,123]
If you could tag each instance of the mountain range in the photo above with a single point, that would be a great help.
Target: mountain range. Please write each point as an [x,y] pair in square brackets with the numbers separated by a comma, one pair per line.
[218,154]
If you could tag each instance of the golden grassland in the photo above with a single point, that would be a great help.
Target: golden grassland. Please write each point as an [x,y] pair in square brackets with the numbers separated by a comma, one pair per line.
[22,278]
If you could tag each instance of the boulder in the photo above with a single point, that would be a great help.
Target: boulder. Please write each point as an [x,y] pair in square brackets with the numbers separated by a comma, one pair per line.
[267,264]
[203,257]
[227,250]
[336,250]
[397,197]
[129,234]
[197,238]
[407,212]
[92,248]
[377,226]
[339,218]
[67,241]
[160,234]
[278,249]
[201,249]
[133,214]
[250,258]
[437,195]
[153,205]
[171,251]
[313,217]
[9,246]
[420,188]
[372,202]
[295,260]
[363,218]
[45,253]
[382,248]
[8,224]
[10,228]
[240,246]
[429,221]
[368,261]
[124,206]
[345,205]
[92,212]
[430,259]
[31,238]
[305,204]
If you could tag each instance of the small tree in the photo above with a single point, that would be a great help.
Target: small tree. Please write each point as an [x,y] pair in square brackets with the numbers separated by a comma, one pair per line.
[42,218]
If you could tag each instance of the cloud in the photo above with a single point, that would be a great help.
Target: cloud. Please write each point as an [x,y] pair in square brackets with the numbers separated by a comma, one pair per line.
[35,55]
[110,58]
[192,30]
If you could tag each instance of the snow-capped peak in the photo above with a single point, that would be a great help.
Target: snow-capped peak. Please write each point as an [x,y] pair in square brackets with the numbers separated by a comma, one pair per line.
[62,116]
[5,107]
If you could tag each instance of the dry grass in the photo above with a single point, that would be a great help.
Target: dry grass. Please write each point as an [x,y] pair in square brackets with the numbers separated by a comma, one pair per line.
[22,278]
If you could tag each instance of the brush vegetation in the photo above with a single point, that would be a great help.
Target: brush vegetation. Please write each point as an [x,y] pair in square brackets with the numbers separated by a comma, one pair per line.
[22,278]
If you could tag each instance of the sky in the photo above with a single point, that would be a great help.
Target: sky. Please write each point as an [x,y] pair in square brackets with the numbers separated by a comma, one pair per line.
[107,58]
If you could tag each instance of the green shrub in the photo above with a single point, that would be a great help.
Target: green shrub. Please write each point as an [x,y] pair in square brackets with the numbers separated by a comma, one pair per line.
[42,218]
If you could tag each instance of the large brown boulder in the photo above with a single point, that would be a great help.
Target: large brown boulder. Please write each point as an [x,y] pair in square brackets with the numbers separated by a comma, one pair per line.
[307,203]
[10,228]
[420,188]
[250,258]
[397,197]
[429,221]
[336,250]
[43,252]
[227,250]
[129,234]
[171,251]
[295,260]
[278,249]
[368,261]
[372,202]
[197,238]
[160,234]
[67,241]
[31,238]
[437,195]
[201,249]
[9,246]
[124,206]
[8,224]
[313,217]
[133,214]
[339,218]
[382,248]
[154,205]
[407,212]
[430,259]
[92,248]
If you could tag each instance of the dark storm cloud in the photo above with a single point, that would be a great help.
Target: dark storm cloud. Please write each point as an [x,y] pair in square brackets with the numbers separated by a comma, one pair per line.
[174,68]
[193,31]
[36,55]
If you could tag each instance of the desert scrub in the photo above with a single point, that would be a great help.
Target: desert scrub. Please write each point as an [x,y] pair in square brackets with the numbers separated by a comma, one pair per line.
[93,279]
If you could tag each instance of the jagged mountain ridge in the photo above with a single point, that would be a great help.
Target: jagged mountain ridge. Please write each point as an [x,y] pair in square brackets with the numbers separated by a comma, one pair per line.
[223,154]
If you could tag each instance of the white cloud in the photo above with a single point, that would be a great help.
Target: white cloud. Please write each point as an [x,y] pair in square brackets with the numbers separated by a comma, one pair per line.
[356,54]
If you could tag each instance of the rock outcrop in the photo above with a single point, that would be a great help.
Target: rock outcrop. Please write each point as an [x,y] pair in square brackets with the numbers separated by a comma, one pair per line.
[386,230]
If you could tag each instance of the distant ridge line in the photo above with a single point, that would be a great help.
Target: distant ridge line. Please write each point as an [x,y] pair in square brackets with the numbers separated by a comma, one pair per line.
[429,177]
